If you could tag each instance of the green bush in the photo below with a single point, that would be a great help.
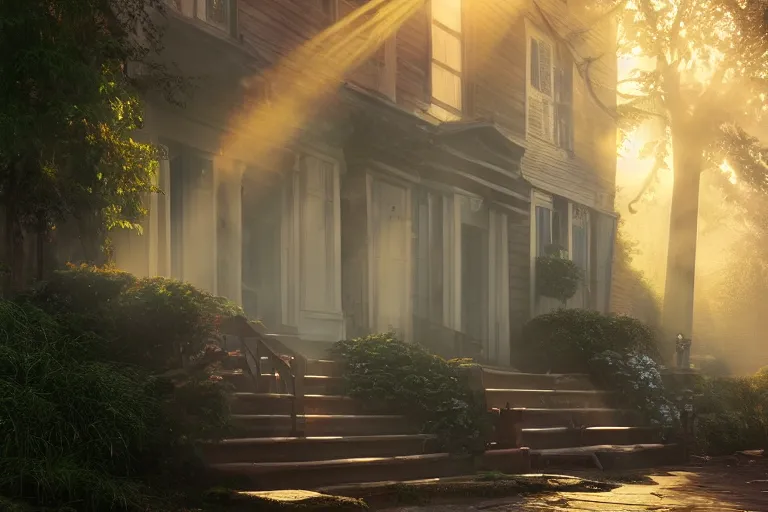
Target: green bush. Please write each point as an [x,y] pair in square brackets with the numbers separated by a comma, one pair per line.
[565,340]
[70,428]
[637,383]
[95,401]
[732,414]
[404,378]
[150,322]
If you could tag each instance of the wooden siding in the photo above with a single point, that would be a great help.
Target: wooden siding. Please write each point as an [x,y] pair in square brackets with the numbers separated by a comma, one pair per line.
[273,29]
[496,76]
[498,89]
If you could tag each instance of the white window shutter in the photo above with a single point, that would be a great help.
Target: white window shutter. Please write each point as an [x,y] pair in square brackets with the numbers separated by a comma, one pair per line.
[534,70]
[546,119]
[535,121]
[545,68]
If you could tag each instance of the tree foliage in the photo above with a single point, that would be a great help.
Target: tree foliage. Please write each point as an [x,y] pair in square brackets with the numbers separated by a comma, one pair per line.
[68,109]
[706,73]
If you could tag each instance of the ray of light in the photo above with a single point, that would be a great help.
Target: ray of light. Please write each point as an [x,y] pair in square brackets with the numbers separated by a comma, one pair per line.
[305,78]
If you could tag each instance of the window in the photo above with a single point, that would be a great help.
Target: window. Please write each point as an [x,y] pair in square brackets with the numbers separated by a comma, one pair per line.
[543,229]
[447,57]
[217,12]
[540,90]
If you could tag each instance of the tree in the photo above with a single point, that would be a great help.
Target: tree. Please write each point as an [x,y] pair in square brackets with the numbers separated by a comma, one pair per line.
[709,75]
[68,109]
[740,291]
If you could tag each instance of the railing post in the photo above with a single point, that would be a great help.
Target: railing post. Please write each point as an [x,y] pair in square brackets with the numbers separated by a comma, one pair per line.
[299,368]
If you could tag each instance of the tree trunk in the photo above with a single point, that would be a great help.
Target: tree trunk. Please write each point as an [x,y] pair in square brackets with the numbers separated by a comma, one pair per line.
[14,250]
[42,231]
[683,230]
[91,239]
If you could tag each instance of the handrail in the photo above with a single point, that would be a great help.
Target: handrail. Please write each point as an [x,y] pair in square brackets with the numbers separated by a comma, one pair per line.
[289,366]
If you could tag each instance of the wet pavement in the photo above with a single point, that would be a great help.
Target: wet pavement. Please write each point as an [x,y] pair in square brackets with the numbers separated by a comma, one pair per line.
[722,486]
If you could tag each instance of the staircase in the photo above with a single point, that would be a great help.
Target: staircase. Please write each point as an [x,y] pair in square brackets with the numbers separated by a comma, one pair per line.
[319,437]
[295,428]
[565,421]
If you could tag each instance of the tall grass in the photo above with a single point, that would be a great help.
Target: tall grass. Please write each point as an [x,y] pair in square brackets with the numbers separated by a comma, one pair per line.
[69,428]
[95,404]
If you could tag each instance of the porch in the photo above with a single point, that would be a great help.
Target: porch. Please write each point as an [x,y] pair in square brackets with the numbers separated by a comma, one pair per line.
[372,220]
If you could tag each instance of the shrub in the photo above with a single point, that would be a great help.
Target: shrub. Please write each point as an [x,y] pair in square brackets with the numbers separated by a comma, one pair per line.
[637,381]
[404,378]
[151,322]
[70,428]
[95,402]
[566,340]
[732,414]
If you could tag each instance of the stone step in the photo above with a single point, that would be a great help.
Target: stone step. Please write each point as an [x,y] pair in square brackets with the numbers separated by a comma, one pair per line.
[546,398]
[324,367]
[279,425]
[299,449]
[608,457]
[277,403]
[314,474]
[500,379]
[565,437]
[579,417]
[313,384]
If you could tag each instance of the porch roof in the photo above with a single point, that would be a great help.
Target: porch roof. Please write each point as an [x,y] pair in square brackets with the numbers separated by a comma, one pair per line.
[472,155]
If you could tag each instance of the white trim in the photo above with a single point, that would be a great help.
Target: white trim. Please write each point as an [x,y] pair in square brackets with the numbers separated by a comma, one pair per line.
[456,277]
[371,281]
[164,183]
[498,288]
[532,31]
[569,245]
[544,200]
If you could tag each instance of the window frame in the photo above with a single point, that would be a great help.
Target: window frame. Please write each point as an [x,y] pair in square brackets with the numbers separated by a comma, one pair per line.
[205,6]
[534,92]
[563,64]
[439,108]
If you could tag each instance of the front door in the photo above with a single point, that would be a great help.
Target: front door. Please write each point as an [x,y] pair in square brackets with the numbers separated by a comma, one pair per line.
[391,265]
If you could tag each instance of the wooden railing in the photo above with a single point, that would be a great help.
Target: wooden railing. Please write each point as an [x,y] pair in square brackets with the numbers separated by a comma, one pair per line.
[265,356]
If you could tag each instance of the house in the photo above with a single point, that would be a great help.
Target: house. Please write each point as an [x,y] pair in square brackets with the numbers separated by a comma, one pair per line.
[420,191]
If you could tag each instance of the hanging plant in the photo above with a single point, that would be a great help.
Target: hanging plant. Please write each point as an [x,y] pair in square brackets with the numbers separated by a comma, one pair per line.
[557,276]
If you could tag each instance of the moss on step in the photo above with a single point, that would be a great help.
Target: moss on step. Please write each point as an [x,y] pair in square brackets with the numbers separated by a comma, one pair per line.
[280,501]
[485,485]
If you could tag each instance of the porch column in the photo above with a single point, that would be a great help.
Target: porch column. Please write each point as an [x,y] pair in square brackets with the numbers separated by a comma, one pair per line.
[229,234]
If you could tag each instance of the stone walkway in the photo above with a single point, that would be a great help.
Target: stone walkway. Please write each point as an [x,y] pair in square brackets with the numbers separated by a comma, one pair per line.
[722,486]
